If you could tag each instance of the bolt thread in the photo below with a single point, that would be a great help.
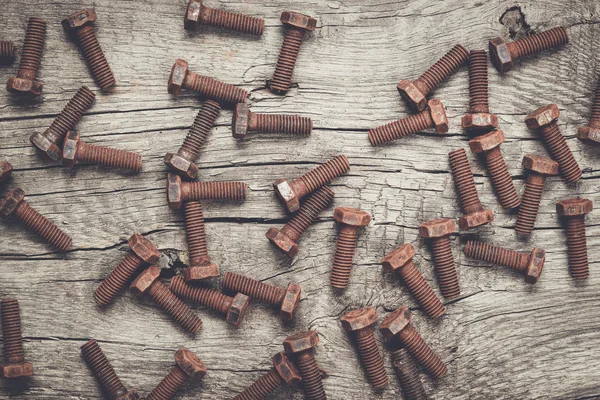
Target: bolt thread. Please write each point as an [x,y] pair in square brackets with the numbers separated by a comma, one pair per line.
[421,290]
[43,227]
[170,384]
[233,21]
[109,157]
[533,44]
[102,369]
[277,123]
[309,211]
[595,117]
[558,148]
[174,307]
[11,332]
[282,77]
[264,385]
[70,115]
[577,247]
[196,236]
[33,46]
[442,69]
[421,352]
[501,179]
[252,288]
[311,376]
[94,56]
[200,130]
[325,173]
[478,82]
[214,89]
[370,358]
[7,52]
[195,191]
[407,374]
[445,268]
[344,253]
[400,128]
[530,204]
[464,182]
[199,295]
[497,255]
[118,278]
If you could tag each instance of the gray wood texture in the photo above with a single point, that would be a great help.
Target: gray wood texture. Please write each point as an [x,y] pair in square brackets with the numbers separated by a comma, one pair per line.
[503,339]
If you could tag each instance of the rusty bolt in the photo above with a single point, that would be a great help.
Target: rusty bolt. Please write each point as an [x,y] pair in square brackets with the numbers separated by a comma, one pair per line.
[530,265]
[14,357]
[80,26]
[591,132]
[200,267]
[245,121]
[7,52]
[141,252]
[400,260]
[15,204]
[415,92]
[350,220]
[358,323]
[290,192]
[179,192]
[197,13]
[505,54]
[479,118]
[105,373]
[5,170]
[399,324]
[433,117]
[31,58]
[283,370]
[545,120]
[489,145]
[187,366]
[539,168]
[407,374]
[301,345]
[287,299]
[183,162]
[439,231]
[75,150]
[574,211]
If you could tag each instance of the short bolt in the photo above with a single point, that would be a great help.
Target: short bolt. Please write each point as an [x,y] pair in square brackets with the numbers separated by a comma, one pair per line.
[179,192]
[5,170]
[76,150]
[283,371]
[590,133]
[574,211]
[197,13]
[31,58]
[200,267]
[407,374]
[479,119]
[350,220]
[301,345]
[187,366]
[14,358]
[7,52]
[15,204]
[432,117]
[245,121]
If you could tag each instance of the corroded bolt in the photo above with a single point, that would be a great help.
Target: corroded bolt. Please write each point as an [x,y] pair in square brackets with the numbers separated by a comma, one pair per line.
[301,345]
[5,170]
[245,121]
[14,357]
[433,117]
[286,237]
[147,283]
[105,373]
[401,260]
[234,308]
[407,374]
[31,58]
[141,252]
[7,52]
[51,140]
[350,220]
[288,300]
[290,192]
[179,192]
[398,324]
[187,366]
[489,145]
[358,323]
[439,231]
[200,267]
[479,119]
[15,204]
[545,120]
[505,54]
[574,211]
[183,162]
[539,168]
[473,213]
[295,26]
[591,132]
[80,26]
[224,93]
[197,13]
[75,150]
[530,265]
[283,370]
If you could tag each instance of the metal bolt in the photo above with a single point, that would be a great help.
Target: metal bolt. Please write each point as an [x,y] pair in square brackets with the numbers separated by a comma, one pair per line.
[489,145]
[286,238]
[14,204]
[197,13]
[75,150]
[400,260]
[224,93]
[574,211]
[187,366]
[200,267]
[7,52]
[179,192]
[407,374]
[398,324]
[183,162]
[80,26]
[105,373]
[505,54]
[591,132]
[439,231]
[147,283]
[530,265]
[415,92]
[49,141]
[433,117]
[301,345]
[283,371]
[350,220]
[290,192]
[287,299]
[479,119]
[142,252]
[14,357]
[5,170]
[31,58]
[539,168]
[358,323]
[473,213]
[245,121]
[545,120]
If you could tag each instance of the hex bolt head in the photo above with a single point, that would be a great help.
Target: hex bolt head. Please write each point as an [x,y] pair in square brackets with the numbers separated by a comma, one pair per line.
[5,170]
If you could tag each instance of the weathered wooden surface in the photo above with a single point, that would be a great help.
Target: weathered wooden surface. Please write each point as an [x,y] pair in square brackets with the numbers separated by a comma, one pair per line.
[503,339]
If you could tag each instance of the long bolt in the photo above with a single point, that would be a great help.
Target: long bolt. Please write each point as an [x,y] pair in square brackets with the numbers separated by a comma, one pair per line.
[302,345]
[245,121]
[5,170]
[591,132]
[7,52]
[188,366]
[439,231]
[200,266]
[14,357]
[479,118]
[574,211]
[75,150]
[350,220]
[197,13]
[283,371]
[179,192]
[407,374]
[31,58]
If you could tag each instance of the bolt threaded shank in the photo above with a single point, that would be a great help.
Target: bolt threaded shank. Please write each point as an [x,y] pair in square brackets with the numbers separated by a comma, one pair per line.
[400,128]
[252,288]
